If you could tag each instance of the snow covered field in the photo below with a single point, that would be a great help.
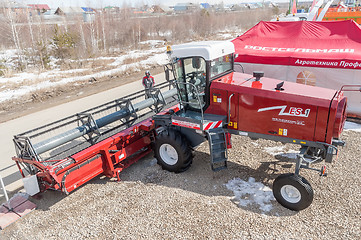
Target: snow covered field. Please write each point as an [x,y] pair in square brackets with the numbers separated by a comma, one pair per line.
[24,83]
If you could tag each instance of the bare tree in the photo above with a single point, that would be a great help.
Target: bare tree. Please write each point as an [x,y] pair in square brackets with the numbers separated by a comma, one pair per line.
[91,27]
[118,29]
[103,30]
[11,17]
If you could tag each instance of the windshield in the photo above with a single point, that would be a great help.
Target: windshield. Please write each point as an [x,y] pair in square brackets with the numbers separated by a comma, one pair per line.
[221,65]
[191,78]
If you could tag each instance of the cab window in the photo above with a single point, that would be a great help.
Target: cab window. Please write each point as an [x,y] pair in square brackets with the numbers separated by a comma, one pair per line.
[221,65]
[191,76]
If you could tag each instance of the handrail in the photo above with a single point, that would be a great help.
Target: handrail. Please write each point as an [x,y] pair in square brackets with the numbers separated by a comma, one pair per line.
[198,99]
[351,89]
[229,109]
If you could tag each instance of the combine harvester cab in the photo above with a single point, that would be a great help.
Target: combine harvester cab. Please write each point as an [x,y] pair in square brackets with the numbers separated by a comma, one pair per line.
[216,102]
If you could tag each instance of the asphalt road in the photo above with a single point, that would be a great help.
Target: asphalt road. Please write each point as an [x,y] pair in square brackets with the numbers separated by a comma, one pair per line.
[8,169]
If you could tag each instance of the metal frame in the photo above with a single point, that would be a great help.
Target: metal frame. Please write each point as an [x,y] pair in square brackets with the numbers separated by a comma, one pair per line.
[5,192]
[24,142]
[303,160]
[88,119]
[158,97]
[123,103]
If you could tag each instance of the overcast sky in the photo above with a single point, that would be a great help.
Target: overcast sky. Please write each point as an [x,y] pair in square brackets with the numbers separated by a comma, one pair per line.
[119,3]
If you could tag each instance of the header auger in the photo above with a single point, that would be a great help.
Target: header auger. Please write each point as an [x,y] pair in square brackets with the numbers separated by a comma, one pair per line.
[213,103]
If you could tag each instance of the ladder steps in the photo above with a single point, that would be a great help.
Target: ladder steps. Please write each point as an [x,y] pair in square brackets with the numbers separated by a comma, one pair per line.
[218,149]
[219,160]
[218,142]
[219,168]
[218,152]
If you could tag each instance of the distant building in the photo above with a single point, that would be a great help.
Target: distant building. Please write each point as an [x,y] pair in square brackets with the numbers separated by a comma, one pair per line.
[205,5]
[238,7]
[88,9]
[39,8]
[87,13]
[112,9]
[14,6]
[69,11]
[184,7]
[160,9]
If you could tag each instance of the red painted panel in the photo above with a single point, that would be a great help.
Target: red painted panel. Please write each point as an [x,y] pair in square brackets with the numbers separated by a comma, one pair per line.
[296,111]
[276,117]
[82,175]
[218,102]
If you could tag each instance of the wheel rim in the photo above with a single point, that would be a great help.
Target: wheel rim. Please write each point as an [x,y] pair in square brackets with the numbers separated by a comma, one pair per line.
[291,194]
[168,154]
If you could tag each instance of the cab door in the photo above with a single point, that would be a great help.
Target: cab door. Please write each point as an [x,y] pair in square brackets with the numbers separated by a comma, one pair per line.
[191,82]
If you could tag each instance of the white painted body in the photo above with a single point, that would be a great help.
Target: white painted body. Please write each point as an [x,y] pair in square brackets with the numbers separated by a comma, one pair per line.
[209,50]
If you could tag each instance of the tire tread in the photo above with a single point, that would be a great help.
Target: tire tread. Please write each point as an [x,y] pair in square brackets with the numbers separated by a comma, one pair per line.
[293,180]
[175,137]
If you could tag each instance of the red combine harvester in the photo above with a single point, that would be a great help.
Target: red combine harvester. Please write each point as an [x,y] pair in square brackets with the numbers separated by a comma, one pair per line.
[213,103]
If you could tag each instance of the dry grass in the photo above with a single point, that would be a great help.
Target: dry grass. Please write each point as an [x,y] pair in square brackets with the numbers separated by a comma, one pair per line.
[131,60]
[100,62]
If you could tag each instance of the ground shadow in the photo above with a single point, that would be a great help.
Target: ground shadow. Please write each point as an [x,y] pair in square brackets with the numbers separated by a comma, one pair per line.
[200,171]
[148,171]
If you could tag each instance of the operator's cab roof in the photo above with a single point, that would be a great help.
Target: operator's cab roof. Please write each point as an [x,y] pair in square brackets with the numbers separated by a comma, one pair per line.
[209,50]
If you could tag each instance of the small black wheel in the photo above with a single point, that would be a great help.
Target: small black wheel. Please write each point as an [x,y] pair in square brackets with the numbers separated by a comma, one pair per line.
[173,151]
[293,191]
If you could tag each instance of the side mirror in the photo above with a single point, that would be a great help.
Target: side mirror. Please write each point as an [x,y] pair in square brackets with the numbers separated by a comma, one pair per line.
[166,72]
[196,62]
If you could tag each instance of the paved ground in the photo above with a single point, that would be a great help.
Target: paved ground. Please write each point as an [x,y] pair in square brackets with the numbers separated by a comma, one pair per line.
[8,169]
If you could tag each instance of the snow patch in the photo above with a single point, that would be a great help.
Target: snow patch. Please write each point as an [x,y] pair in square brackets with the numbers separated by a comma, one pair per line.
[153,162]
[250,193]
[153,43]
[280,151]
[351,126]
[274,150]
[8,54]
[291,154]
[226,36]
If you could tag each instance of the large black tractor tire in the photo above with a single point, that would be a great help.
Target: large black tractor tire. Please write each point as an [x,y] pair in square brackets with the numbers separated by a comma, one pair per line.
[293,191]
[173,151]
